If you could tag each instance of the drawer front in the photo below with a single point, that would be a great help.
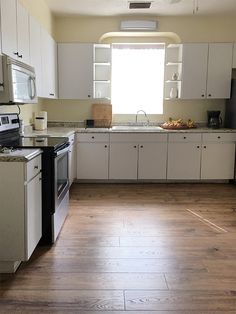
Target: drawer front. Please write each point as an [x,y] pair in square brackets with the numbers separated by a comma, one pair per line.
[92,137]
[138,137]
[185,137]
[219,137]
[33,167]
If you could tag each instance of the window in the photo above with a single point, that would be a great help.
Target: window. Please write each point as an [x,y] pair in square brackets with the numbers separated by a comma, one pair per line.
[137,78]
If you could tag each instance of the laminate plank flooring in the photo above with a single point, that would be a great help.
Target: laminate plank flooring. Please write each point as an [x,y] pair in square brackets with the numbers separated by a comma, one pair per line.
[137,249]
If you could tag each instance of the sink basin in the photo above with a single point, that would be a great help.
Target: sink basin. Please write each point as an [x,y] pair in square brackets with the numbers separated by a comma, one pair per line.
[136,128]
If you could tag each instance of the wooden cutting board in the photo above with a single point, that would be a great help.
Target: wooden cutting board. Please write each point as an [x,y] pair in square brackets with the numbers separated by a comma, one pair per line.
[102,115]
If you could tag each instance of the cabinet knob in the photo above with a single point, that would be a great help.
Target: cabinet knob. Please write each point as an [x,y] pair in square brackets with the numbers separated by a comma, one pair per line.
[198,146]
[141,146]
[135,146]
[209,95]
[203,95]
[16,53]
[204,147]
[185,137]
[20,56]
[92,137]
[89,96]
[36,167]
[218,137]
[105,146]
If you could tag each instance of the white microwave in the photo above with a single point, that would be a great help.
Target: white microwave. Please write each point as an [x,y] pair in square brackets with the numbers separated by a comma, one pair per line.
[17,82]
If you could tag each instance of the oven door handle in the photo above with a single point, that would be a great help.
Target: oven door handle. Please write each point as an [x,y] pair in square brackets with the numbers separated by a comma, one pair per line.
[62,151]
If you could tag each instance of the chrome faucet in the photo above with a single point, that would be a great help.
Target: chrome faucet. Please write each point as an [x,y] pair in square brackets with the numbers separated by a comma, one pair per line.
[136,119]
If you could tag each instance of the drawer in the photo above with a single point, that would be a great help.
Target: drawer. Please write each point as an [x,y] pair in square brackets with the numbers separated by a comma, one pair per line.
[219,137]
[185,137]
[33,167]
[138,138]
[92,137]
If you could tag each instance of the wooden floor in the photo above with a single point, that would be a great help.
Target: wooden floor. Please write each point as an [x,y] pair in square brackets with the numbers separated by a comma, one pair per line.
[147,248]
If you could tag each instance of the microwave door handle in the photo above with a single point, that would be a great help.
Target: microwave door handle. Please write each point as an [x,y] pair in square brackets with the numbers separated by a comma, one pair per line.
[32,90]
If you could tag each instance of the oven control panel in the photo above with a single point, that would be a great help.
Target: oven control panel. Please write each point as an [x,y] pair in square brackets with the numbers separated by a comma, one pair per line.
[9,122]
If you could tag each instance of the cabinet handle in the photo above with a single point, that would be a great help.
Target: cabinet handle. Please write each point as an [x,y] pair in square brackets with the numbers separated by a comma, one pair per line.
[40,179]
[36,167]
[16,53]
[20,56]
[51,94]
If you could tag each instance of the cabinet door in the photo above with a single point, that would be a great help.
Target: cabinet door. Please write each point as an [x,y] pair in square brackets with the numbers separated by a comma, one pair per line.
[92,161]
[218,161]
[49,65]
[75,71]
[152,161]
[194,71]
[23,45]
[184,161]
[33,215]
[123,161]
[35,53]
[219,70]
[9,28]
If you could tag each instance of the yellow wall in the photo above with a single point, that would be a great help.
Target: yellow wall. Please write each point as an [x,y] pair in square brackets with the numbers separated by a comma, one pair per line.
[189,29]
[41,12]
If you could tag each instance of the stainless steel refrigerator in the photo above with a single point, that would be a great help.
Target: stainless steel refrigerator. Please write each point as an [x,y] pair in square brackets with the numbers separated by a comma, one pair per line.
[230,109]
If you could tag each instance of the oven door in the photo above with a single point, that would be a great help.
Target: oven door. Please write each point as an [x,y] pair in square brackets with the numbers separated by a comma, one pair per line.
[61,183]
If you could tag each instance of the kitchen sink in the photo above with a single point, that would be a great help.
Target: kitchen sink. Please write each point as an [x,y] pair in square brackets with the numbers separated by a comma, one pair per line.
[136,128]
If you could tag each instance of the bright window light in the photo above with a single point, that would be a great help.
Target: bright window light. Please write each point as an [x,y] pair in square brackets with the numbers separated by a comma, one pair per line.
[137,78]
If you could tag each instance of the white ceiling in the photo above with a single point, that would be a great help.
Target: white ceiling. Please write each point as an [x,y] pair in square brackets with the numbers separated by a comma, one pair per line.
[159,7]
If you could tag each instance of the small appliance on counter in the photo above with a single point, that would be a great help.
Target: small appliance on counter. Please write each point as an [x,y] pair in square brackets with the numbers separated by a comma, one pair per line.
[214,120]
[40,121]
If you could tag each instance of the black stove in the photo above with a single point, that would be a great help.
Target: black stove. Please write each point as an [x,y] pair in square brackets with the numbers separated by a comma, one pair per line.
[55,181]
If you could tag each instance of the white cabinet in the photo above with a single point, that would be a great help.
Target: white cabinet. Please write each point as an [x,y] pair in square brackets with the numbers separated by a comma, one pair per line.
[184,156]
[36,53]
[194,74]
[101,71]
[92,156]
[15,30]
[206,70]
[138,156]
[173,71]
[72,159]
[75,70]
[21,215]
[49,65]
[218,156]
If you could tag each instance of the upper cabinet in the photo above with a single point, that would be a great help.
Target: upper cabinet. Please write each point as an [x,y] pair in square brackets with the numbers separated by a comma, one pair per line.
[35,53]
[102,71]
[75,70]
[206,71]
[49,65]
[15,30]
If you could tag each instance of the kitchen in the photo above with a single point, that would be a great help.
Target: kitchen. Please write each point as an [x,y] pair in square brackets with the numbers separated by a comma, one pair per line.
[111,231]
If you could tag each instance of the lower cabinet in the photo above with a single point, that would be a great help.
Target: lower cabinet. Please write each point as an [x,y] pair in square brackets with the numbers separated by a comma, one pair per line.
[21,215]
[184,154]
[92,156]
[138,156]
[191,157]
